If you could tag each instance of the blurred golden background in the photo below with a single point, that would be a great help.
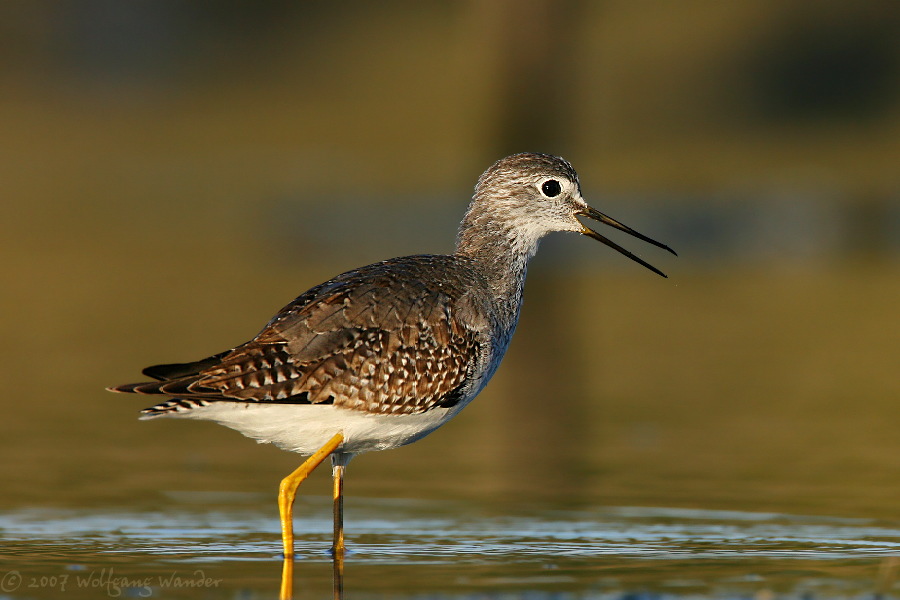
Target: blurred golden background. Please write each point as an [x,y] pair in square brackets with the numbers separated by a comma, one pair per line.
[174,172]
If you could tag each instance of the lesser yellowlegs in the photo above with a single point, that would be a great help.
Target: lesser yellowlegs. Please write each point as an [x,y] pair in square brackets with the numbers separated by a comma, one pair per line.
[383,355]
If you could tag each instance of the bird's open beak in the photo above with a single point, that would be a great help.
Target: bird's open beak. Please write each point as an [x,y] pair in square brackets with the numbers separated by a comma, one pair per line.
[599,216]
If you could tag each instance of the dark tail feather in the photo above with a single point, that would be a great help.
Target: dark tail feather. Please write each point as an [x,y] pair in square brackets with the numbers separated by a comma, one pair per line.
[128,388]
[176,387]
[180,370]
[173,406]
[144,387]
[173,379]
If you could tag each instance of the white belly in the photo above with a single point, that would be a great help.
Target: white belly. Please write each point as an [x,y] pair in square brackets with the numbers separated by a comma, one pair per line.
[305,428]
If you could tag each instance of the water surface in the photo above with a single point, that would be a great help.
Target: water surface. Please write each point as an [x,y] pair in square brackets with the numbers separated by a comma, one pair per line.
[434,549]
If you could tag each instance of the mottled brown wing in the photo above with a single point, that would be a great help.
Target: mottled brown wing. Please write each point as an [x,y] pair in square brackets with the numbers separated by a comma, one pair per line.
[384,344]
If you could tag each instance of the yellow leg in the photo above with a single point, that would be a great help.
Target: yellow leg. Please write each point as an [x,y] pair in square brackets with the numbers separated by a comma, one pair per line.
[287,491]
[339,463]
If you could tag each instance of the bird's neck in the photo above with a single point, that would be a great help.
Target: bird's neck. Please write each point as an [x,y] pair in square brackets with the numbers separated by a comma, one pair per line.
[501,253]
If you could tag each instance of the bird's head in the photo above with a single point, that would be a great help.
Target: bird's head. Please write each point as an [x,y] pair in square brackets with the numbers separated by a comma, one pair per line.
[526,196]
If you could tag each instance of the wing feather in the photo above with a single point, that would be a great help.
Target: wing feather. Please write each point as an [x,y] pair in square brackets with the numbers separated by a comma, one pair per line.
[380,340]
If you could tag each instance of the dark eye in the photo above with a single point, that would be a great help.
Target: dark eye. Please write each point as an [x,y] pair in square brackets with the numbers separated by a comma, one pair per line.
[551,188]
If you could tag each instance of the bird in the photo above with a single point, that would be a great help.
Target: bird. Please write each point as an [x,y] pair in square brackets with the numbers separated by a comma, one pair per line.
[382,355]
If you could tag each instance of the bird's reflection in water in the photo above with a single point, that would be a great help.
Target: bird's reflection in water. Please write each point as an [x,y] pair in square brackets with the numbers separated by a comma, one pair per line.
[338,576]
[287,577]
